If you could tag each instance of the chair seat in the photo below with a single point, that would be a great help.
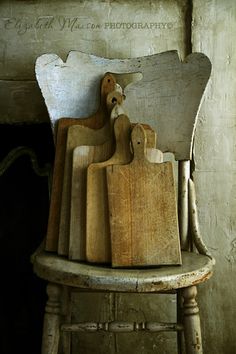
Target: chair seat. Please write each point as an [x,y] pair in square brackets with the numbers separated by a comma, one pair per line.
[195,269]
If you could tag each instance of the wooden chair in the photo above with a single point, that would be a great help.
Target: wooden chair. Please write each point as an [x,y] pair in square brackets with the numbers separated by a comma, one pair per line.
[64,275]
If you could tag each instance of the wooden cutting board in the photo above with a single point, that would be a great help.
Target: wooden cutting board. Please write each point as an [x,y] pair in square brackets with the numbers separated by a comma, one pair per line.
[51,243]
[76,136]
[98,246]
[152,154]
[83,156]
[143,210]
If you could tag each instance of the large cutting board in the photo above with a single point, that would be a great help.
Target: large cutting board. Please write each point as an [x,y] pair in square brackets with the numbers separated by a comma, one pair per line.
[96,121]
[143,210]
[98,246]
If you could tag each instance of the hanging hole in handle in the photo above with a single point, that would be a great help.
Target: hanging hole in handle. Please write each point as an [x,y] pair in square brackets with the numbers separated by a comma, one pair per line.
[108,80]
[138,142]
[114,100]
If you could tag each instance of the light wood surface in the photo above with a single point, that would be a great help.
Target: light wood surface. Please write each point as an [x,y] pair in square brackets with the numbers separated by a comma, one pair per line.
[51,243]
[98,247]
[96,121]
[77,135]
[143,210]
[152,153]
[83,156]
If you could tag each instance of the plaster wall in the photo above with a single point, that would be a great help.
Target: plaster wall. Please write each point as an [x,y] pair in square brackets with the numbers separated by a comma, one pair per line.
[113,29]
[214,29]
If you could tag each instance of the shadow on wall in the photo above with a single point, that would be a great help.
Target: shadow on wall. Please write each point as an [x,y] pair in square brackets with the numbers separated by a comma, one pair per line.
[24,206]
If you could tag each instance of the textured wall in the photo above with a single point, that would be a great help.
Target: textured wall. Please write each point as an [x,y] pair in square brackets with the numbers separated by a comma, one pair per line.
[116,29]
[214,28]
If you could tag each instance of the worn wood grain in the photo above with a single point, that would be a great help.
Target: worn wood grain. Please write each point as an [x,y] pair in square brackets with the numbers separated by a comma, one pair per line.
[98,247]
[143,210]
[95,121]
[83,156]
[195,269]
[77,135]
[97,227]
[152,153]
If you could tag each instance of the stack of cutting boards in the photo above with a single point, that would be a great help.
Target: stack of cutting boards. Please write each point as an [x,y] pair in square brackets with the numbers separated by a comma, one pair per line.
[123,208]
[113,198]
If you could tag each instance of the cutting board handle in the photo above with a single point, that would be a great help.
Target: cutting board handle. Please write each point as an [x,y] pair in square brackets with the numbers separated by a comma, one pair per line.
[108,85]
[139,142]
[122,130]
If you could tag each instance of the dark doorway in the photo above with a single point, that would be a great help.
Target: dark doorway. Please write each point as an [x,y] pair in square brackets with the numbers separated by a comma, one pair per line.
[24,206]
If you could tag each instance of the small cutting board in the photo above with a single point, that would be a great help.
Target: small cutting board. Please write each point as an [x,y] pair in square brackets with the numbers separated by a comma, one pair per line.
[143,210]
[83,156]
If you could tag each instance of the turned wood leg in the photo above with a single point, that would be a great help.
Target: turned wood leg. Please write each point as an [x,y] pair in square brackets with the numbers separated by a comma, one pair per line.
[192,328]
[51,326]
[66,312]
[180,334]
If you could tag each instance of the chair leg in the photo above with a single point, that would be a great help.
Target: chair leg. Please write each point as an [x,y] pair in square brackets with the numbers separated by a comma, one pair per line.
[51,326]
[192,328]
[66,337]
[180,334]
